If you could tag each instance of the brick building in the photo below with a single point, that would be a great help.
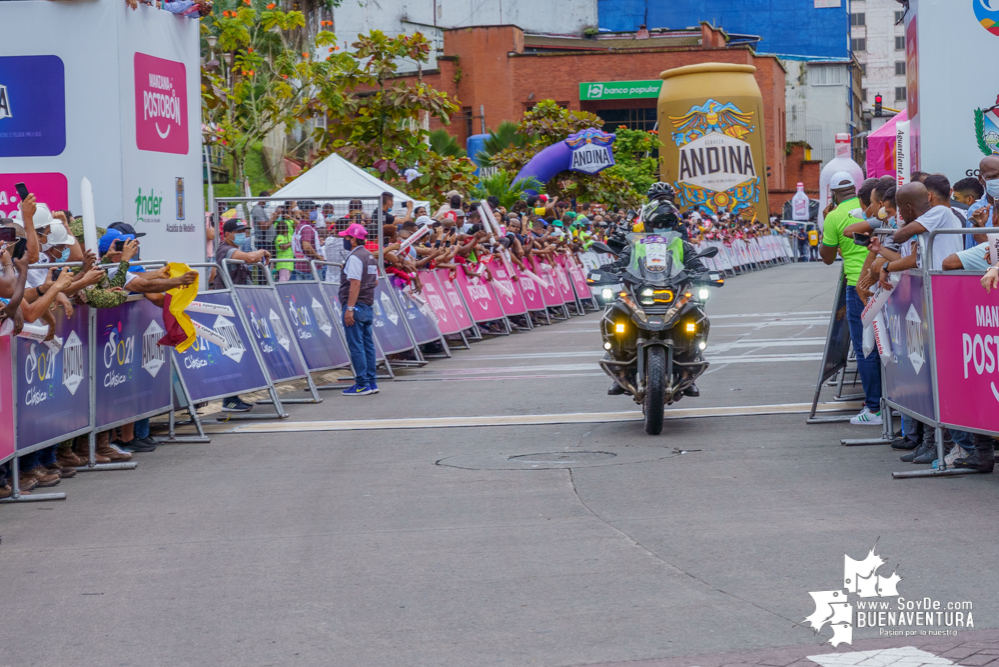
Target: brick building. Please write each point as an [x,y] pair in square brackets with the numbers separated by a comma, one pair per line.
[499,72]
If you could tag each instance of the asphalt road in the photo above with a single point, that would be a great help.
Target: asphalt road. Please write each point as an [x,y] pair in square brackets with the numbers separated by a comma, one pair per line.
[431,546]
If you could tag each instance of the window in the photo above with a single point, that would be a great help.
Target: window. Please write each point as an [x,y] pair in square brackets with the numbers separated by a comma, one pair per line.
[899,67]
[863,69]
[827,75]
[858,19]
[900,93]
[633,119]
[859,44]
[863,94]
[898,16]
[900,43]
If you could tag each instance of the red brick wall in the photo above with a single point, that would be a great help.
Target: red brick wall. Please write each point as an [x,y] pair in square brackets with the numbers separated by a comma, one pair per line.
[799,170]
[495,73]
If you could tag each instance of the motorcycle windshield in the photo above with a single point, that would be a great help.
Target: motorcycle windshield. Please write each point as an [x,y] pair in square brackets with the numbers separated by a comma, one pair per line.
[656,258]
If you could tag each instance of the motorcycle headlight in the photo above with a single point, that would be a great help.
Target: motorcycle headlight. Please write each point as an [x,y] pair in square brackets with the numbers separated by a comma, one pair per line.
[607,293]
[647,296]
[703,294]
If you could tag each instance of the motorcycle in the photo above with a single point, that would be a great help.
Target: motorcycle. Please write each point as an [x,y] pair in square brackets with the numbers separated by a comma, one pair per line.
[655,331]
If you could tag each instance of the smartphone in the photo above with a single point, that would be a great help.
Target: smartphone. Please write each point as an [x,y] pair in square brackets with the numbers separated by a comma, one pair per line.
[8,235]
[22,190]
[437,245]
[862,239]
[119,245]
[19,247]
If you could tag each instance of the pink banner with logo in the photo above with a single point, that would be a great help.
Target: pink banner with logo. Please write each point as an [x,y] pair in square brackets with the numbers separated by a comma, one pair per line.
[160,105]
[530,289]
[549,290]
[51,189]
[562,279]
[482,306]
[966,337]
[450,290]
[447,322]
[578,280]
[7,444]
[507,291]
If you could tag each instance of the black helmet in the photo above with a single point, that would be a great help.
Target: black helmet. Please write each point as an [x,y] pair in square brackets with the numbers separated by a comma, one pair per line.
[660,215]
[662,190]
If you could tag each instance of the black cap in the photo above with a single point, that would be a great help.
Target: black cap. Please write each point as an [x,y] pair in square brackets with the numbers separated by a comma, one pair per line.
[125,228]
[234,225]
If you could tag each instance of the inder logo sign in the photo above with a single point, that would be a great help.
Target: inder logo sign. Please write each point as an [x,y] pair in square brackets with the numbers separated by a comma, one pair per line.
[160,105]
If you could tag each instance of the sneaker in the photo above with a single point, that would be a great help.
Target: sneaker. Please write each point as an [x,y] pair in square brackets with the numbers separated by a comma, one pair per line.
[903,443]
[135,445]
[867,418]
[357,390]
[236,406]
[373,387]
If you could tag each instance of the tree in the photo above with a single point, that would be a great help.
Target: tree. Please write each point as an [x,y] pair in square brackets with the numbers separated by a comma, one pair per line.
[548,123]
[445,145]
[505,136]
[633,158]
[256,80]
[379,125]
[501,186]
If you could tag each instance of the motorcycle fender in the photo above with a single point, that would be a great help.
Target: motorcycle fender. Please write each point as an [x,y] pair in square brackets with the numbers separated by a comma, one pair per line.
[644,345]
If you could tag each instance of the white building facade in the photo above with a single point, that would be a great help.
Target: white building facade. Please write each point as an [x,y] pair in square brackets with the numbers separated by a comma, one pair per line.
[878,40]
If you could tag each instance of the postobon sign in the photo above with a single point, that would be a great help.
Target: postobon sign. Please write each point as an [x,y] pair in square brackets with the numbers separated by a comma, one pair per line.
[713,144]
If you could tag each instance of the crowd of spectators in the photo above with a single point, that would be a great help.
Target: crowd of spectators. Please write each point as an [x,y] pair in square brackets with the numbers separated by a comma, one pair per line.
[906,216]
[33,297]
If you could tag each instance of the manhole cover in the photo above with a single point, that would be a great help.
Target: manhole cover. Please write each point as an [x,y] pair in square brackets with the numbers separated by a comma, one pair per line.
[562,458]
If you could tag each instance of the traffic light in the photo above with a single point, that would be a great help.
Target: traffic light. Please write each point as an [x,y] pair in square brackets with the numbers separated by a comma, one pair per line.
[877,106]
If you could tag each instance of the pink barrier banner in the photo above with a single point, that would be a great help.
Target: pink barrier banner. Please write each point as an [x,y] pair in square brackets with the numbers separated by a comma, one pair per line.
[549,291]
[966,337]
[450,290]
[562,280]
[530,290]
[482,306]
[447,322]
[507,291]
[7,445]
[579,280]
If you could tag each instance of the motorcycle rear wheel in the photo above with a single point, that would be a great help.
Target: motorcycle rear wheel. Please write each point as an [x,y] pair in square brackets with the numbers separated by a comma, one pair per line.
[655,390]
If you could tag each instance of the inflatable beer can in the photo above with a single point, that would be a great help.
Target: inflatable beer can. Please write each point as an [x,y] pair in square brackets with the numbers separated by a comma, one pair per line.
[713,147]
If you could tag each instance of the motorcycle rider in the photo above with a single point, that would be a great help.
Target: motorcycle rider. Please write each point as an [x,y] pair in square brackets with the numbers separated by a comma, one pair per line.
[659,216]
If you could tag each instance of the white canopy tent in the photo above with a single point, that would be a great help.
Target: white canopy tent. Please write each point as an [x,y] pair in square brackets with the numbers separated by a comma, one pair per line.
[337,177]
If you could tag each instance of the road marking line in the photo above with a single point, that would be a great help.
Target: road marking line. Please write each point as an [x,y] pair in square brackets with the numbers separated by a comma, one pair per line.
[800,312]
[536,420]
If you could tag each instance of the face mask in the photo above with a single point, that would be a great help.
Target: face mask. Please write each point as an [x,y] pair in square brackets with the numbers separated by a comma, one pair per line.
[239,239]
[992,187]
[893,221]
[346,244]
[64,257]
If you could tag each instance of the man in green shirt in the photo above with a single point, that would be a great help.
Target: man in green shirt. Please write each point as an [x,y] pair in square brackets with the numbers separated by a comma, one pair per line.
[843,192]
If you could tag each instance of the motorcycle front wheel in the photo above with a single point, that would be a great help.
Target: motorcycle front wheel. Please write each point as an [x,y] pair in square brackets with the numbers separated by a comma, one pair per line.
[655,390]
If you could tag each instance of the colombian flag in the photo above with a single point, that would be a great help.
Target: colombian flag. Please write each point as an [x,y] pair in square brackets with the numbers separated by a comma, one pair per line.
[179,329]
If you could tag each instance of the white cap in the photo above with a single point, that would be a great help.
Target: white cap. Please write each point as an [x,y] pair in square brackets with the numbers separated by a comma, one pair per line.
[59,236]
[840,180]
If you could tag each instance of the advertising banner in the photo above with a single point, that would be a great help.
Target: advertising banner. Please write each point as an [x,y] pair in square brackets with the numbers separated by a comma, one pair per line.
[210,371]
[133,371]
[50,189]
[53,391]
[908,380]
[277,348]
[313,325]
[966,336]
[111,94]
[549,290]
[507,291]
[419,316]
[837,339]
[388,326]
[562,280]
[333,300]
[447,322]
[481,304]
[7,446]
[450,291]
[578,280]
[530,289]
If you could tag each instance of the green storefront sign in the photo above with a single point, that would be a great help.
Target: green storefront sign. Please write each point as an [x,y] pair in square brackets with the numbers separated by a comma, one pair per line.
[619,90]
